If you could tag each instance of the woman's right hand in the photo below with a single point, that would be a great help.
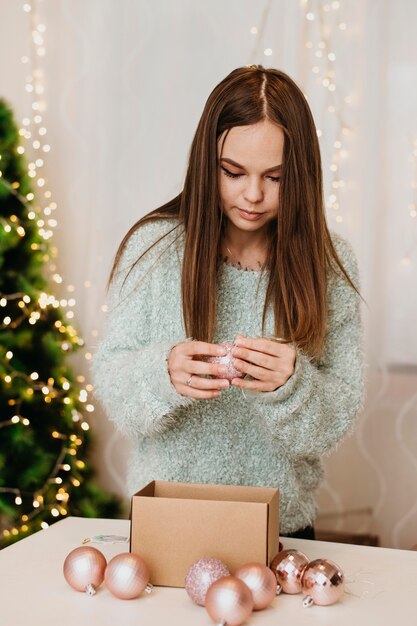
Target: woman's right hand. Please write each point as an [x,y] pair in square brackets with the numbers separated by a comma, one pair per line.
[187,372]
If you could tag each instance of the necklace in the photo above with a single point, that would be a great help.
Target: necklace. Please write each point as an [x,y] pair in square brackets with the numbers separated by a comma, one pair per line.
[238,263]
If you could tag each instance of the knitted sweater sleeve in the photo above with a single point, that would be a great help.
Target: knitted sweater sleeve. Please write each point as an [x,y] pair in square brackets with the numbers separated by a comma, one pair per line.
[130,372]
[317,406]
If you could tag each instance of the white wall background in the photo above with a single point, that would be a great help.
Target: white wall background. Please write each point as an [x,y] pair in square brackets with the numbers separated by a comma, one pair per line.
[125,84]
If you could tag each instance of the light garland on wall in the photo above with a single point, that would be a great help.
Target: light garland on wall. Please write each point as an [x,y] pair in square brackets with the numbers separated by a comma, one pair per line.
[34,132]
[34,129]
[325,18]
[258,32]
[324,71]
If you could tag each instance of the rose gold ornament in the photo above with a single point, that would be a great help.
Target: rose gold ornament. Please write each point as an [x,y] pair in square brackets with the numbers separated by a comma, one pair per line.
[84,569]
[261,581]
[323,583]
[127,575]
[288,567]
[226,360]
[201,575]
[229,601]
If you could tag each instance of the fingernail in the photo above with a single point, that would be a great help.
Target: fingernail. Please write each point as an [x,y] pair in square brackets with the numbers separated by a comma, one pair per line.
[222,351]
[224,383]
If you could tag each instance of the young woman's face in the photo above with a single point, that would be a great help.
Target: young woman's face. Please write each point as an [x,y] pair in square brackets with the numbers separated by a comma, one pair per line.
[249,174]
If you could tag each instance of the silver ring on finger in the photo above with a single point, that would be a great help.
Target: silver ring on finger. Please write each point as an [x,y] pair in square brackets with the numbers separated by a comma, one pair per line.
[189,381]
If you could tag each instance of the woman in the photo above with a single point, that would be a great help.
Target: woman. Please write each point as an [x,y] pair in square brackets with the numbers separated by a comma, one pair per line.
[243,253]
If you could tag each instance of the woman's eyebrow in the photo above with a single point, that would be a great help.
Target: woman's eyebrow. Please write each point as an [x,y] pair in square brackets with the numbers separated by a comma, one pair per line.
[270,169]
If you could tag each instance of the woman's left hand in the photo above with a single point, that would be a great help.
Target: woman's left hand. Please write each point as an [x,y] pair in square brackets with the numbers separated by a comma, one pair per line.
[270,362]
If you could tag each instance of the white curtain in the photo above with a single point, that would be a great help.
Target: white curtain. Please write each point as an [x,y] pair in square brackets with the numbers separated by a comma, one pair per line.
[125,84]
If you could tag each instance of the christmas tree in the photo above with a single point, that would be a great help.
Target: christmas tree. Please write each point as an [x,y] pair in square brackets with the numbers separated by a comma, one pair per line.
[44,434]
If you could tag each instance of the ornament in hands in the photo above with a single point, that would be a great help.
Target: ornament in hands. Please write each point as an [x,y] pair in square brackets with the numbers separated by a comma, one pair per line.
[227,361]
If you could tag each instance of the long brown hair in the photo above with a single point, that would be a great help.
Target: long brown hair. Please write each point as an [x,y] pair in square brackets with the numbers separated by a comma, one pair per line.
[301,253]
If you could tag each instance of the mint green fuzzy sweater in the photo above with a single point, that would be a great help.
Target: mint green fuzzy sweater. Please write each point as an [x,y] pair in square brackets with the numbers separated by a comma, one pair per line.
[273,439]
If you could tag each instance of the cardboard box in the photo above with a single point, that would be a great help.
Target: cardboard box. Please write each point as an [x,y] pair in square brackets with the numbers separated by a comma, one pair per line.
[175,524]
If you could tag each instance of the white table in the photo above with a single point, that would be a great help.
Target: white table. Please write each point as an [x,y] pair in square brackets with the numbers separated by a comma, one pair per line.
[33,590]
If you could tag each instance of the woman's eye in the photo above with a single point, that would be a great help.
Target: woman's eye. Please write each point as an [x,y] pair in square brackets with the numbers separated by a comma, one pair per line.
[231,174]
[275,179]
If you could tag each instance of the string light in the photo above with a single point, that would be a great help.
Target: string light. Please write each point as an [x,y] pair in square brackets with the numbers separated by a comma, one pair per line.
[322,23]
[34,307]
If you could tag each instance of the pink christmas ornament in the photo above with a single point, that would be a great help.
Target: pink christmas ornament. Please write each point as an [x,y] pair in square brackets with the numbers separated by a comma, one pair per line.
[84,569]
[127,575]
[261,581]
[226,360]
[323,583]
[229,601]
[201,575]
[288,567]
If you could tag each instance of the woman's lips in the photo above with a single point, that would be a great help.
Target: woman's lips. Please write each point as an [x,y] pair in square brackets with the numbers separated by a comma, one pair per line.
[249,216]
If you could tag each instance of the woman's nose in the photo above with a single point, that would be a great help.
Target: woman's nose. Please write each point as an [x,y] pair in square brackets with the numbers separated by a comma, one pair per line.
[253,191]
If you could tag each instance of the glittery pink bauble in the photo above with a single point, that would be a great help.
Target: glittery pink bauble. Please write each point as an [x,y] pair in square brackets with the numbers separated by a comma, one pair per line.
[201,575]
[226,360]
[127,575]
[323,583]
[288,567]
[229,601]
[261,581]
[84,569]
